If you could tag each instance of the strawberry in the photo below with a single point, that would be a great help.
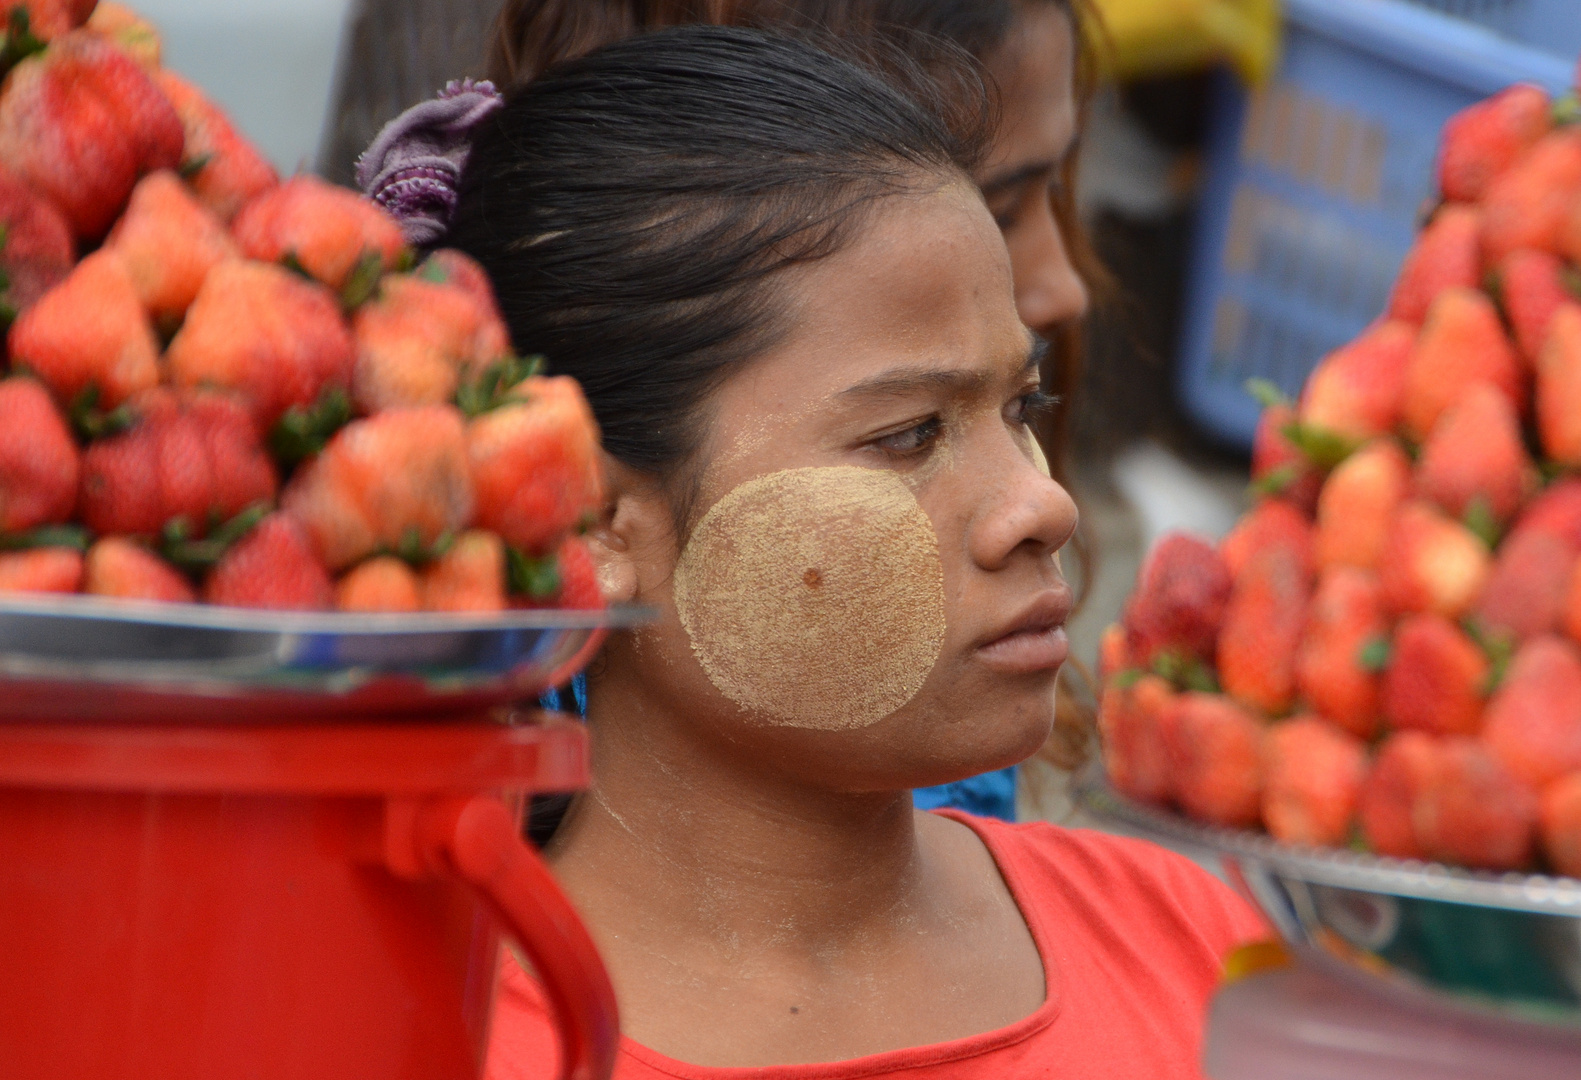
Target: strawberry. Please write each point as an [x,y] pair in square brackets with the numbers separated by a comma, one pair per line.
[191,460]
[1272,523]
[1526,592]
[326,230]
[1357,391]
[382,583]
[46,569]
[1358,504]
[1528,204]
[1461,344]
[1114,656]
[35,246]
[535,463]
[1345,619]
[1447,255]
[89,333]
[1214,751]
[1129,719]
[1431,563]
[1475,462]
[169,243]
[1400,774]
[1480,141]
[1473,812]
[273,566]
[1312,776]
[1559,387]
[1560,814]
[119,567]
[49,19]
[1435,679]
[419,338]
[1570,616]
[1278,465]
[396,481]
[1556,510]
[567,579]
[1531,289]
[1262,630]
[225,170]
[460,270]
[1533,724]
[38,460]
[1179,602]
[263,332]
[129,31]
[469,576]
[80,122]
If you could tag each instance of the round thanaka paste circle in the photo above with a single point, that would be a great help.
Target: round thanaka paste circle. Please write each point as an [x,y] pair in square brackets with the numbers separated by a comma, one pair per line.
[815,597]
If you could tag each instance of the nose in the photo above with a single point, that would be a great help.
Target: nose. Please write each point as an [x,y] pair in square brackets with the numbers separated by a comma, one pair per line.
[1024,514]
[1049,291]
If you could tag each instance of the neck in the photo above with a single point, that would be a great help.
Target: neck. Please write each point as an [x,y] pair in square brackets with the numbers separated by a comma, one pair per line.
[681,840]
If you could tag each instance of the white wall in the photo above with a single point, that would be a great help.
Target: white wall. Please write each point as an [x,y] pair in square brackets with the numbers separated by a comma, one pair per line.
[269,63]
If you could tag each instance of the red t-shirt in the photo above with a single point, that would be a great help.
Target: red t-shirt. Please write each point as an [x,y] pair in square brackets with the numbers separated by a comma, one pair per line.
[1131,935]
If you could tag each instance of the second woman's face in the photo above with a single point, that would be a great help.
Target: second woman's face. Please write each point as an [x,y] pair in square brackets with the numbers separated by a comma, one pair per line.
[867,594]
[1034,71]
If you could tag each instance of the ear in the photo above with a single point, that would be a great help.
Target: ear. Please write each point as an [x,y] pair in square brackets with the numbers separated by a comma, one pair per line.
[635,517]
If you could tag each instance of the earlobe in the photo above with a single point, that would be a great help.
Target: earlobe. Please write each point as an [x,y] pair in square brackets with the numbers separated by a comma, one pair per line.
[617,572]
[620,533]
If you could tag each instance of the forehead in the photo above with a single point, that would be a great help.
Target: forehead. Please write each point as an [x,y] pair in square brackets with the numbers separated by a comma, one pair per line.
[926,280]
[1035,72]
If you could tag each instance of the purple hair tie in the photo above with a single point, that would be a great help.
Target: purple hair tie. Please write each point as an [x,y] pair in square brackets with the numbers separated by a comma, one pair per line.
[413,169]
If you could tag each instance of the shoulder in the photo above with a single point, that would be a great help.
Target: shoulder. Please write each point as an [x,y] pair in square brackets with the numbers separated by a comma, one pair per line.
[1106,880]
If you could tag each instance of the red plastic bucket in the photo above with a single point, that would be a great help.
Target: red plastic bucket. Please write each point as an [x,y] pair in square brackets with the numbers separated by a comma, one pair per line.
[278,902]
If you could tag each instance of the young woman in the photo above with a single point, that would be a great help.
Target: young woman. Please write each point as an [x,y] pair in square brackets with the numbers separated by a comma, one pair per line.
[794,317]
[1032,50]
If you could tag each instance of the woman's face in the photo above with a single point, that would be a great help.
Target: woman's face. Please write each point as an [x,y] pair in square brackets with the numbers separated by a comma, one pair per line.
[1034,70]
[867,596]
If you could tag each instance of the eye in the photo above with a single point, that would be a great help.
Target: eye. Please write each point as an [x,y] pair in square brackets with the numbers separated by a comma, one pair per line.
[911,440]
[1031,407]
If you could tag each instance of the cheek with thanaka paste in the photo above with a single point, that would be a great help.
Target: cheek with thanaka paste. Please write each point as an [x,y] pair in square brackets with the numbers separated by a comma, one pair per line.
[814,598]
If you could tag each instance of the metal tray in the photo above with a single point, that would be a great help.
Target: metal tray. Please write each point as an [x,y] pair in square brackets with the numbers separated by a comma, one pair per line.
[1510,943]
[91,659]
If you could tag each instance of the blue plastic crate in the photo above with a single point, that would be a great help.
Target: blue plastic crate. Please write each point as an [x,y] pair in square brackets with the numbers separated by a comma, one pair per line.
[1314,184]
[1552,26]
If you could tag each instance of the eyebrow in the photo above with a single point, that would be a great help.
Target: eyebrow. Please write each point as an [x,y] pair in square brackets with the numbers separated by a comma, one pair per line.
[905,382]
[1016,177]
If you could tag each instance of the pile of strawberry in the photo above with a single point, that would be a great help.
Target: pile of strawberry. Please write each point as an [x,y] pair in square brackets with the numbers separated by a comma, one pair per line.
[1383,653]
[219,386]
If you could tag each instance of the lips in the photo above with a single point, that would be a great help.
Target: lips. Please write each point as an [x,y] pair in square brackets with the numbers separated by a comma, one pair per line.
[1035,640]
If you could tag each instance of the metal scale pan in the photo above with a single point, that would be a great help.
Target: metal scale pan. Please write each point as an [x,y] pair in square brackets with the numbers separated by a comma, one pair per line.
[95,660]
[1510,943]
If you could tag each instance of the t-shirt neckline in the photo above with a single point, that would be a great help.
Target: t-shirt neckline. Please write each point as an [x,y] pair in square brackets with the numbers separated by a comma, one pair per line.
[913,1057]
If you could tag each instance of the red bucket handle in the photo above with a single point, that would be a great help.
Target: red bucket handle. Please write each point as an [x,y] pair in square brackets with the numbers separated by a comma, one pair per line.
[476,840]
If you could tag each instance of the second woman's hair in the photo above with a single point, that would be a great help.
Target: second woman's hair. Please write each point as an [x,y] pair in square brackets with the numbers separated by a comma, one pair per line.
[634,207]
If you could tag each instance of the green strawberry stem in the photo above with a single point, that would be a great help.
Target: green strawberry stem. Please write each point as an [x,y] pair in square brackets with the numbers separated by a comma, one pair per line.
[1479,518]
[537,576]
[304,430]
[1374,656]
[493,387]
[413,550]
[1276,481]
[45,536]
[363,281]
[197,555]
[19,42]
[193,165]
[1267,394]
[91,422]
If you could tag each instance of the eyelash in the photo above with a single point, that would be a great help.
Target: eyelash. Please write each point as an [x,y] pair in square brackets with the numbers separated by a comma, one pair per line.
[1033,405]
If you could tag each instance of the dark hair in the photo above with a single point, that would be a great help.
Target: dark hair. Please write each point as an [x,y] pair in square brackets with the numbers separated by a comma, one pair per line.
[633,206]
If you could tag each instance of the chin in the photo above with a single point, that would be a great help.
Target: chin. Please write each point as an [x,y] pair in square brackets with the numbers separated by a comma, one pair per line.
[1008,735]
